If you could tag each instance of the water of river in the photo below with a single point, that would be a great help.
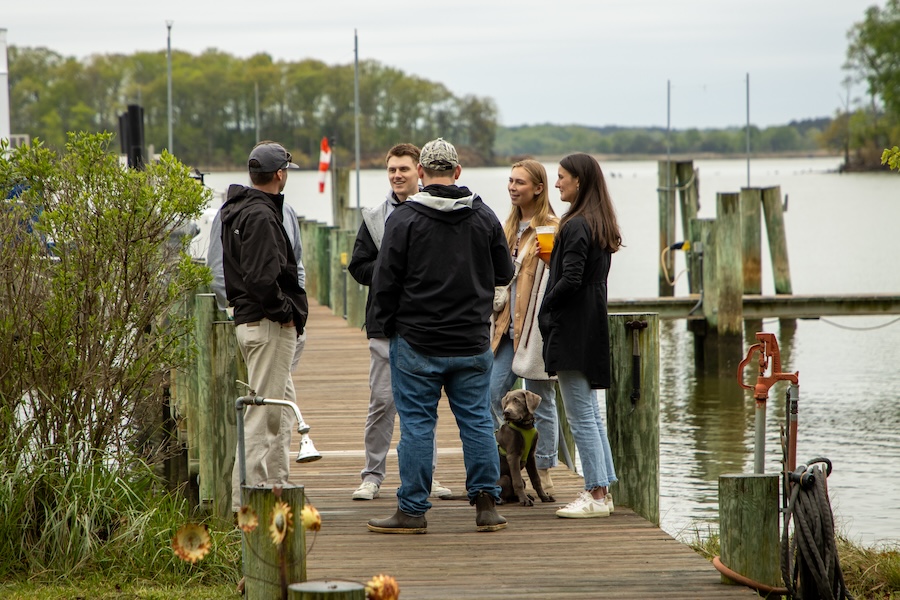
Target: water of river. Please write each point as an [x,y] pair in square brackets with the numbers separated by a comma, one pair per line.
[842,238]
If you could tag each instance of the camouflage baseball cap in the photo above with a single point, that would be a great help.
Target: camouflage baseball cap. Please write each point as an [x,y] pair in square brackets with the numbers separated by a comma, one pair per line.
[270,157]
[439,155]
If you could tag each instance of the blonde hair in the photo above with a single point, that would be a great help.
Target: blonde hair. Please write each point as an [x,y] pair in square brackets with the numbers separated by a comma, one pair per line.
[543,212]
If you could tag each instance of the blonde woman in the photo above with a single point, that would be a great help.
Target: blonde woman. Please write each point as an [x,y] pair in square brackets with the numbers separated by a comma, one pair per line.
[528,194]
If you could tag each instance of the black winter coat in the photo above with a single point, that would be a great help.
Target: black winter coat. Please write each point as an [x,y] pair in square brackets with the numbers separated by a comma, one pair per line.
[573,317]
[258,260]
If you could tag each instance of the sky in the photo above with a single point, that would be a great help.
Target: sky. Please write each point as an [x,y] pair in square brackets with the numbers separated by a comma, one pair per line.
[587,62]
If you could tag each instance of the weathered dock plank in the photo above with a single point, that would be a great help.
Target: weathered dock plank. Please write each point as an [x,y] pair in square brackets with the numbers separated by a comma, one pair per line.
[537,556]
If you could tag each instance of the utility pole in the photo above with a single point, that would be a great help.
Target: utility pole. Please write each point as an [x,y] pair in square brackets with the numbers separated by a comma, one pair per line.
[169,65]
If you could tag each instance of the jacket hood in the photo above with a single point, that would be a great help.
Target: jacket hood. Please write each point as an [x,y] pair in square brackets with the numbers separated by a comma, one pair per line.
[240,197]
[444,198]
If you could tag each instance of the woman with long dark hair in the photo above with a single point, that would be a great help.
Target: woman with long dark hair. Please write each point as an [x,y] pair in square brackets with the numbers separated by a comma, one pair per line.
[574,322]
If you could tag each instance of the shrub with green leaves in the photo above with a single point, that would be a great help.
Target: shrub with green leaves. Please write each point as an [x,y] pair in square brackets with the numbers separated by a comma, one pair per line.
[91,265]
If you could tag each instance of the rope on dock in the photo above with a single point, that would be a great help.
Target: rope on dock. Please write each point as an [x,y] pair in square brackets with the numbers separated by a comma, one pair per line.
[838,325]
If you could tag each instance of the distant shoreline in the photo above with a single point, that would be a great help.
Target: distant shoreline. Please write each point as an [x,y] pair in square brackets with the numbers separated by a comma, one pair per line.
[602,158]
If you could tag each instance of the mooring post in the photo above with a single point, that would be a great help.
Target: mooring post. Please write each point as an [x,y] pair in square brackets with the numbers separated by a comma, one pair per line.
[774,215]
[340,196]
[705,232]
[730,277]
[632,411]
[748,527]
[667,186]
[267,564]
[310,256]
[751,239]
[689,196]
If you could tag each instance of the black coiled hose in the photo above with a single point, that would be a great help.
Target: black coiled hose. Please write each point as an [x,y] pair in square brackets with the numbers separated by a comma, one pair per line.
[810,565]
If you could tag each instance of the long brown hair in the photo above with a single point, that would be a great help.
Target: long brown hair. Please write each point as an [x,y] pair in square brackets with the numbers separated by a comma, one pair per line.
[592,201]
[543,212]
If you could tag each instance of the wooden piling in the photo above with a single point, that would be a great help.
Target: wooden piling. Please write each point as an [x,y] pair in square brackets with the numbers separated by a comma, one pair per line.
[666,188]
[774,216]
[751,240]
[633,413]
[328,589]
[730,304]
[264,560]
[689,198]
[704,232]
[340,196]
[748,527]
[204,309]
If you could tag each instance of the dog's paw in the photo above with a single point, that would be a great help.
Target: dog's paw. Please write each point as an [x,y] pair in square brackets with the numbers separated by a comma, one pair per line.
[547,498]
[528,500]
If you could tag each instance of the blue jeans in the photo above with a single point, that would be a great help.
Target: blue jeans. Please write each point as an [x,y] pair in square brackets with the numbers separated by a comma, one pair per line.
[502,378]
[416,380]
[583,414]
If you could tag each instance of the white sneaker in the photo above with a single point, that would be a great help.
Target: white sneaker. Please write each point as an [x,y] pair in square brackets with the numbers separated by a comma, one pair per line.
[439,491]
[584,507]
[367,490]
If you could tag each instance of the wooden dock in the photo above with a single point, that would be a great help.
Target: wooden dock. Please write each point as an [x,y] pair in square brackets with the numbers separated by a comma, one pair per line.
[537,556]
[755,306]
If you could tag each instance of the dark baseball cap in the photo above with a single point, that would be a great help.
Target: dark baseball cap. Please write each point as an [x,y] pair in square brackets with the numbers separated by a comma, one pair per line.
[270,157]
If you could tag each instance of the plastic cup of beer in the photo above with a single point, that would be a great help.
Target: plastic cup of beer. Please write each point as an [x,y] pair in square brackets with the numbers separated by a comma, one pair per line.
[545,235]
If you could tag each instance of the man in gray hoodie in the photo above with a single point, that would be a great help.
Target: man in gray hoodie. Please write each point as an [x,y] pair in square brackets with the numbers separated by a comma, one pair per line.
[442,255]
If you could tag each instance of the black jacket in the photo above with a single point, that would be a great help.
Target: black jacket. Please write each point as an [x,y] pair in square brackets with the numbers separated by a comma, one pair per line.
[573,318]
[436,272]
[259,263]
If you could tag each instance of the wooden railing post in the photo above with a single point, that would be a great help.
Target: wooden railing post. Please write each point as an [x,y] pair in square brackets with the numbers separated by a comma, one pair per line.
[356,292]
[633,412]
[264,561]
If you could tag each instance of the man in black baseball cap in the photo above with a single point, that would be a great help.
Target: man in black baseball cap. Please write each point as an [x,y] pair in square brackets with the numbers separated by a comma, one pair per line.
[270,310]
[269,157]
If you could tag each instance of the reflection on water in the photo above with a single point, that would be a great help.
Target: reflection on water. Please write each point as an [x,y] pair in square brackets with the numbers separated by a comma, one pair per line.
[707,424]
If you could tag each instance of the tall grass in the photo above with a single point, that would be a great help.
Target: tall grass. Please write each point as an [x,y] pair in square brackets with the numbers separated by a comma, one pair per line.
[872,573]
[99,521]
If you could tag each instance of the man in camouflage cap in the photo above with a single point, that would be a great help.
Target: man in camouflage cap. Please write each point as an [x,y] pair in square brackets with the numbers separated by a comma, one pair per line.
[442,255]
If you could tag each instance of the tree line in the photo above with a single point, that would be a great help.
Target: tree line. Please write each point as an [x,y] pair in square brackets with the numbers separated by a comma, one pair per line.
[795,137]
[215,108]
[216,98]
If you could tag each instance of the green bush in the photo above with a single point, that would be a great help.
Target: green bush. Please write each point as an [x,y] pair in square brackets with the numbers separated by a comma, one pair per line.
[91,265]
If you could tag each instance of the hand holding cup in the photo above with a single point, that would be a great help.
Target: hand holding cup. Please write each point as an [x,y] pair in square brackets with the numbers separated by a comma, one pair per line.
[544,242]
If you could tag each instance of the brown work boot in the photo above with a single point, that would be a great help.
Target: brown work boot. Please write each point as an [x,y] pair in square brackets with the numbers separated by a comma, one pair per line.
[546,482]
[399,523]
[486,517]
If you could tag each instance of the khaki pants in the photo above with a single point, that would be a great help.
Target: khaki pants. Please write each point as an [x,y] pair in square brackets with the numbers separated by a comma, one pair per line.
[268,349]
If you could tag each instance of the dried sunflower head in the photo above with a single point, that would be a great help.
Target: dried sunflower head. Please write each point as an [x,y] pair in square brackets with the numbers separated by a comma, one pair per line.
[310,517]
[247,519]
[282,522]
[191,543]
[382,587]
